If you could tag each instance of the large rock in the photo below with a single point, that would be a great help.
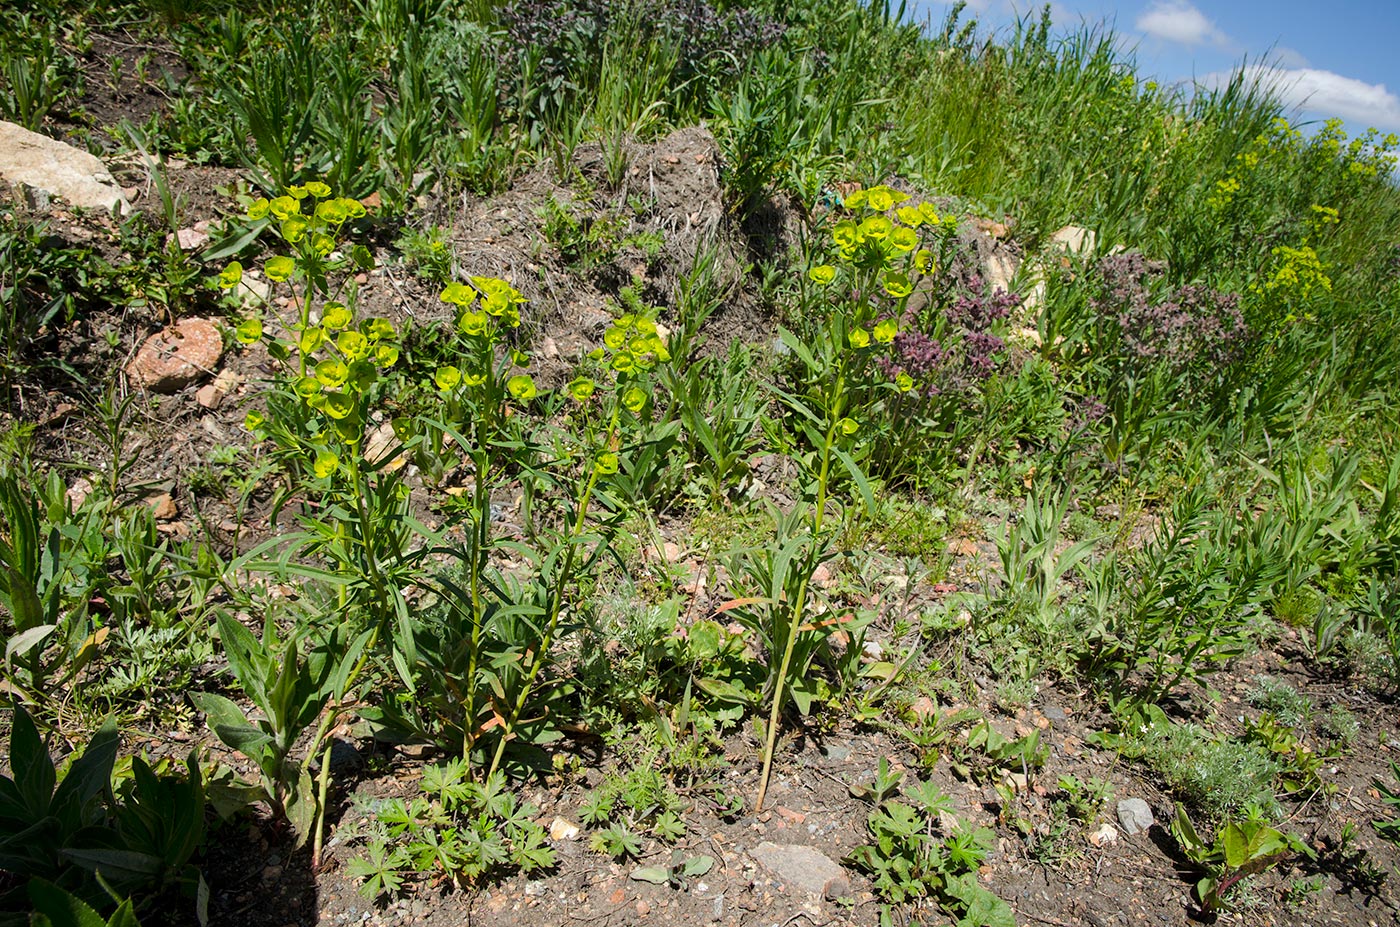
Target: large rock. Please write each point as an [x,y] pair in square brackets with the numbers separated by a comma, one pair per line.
[1074,240]
[79,179]
[804,867]
[173,359]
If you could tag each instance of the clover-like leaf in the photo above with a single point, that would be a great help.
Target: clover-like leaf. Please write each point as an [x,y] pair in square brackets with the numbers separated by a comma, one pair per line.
[606,463]
[339,405]
[898,285]
[283,206]
[306,387]
[352,344]
[634,399]
[331,372]
[904,239]
[459,294]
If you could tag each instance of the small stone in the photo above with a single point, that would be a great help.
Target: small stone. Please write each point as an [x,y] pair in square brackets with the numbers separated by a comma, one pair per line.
[923,708]
[535,889]
[821,577]
[617,897]
[191,239]
[1105,836]
[172,359]
[60,412]
[380,443]
[563,829]
[795,817]
[78,492]
[963,547]
[212,395]
[271,873]
[1054,712]
[163,507]
[252,291]
[803,867]
[208,396]
[175,529]
[643,909]
[1135,815]
[999,269]
[837,753]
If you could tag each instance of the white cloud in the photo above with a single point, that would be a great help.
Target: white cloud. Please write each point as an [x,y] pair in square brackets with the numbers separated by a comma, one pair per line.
[1179,21]
[1286,57]
[1326,94]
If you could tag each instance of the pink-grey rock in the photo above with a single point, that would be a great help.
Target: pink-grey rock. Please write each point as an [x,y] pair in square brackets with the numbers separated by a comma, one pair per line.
[71,174]
[173,359]
[163,507]
[803,867]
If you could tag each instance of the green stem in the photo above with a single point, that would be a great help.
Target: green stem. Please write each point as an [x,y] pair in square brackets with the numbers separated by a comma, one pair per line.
[481,532]
[556,604]
[481,548]
[322,732]
[800,600]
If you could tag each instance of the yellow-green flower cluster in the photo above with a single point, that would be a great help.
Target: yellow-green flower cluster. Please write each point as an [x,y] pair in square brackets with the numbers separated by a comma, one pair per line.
[634,344]
[308,213]
[871,239]
[487,306]
[1299,275]
[337,359]
[883,252]
[1320,217]
[632,347]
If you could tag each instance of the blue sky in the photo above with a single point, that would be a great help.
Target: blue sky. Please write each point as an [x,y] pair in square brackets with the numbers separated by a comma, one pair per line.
[1325,59]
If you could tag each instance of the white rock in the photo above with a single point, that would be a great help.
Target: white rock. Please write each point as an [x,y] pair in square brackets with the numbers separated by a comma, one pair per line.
[1074,240]
[1000,269]
[1105,836]
[78,178]
[563,829]
[191,239]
